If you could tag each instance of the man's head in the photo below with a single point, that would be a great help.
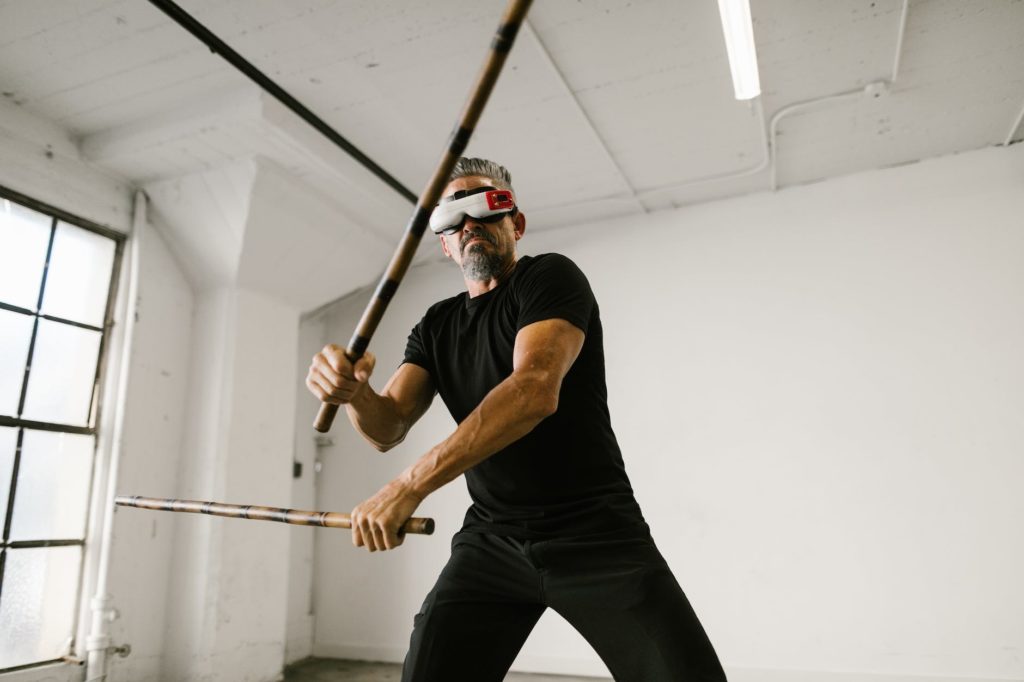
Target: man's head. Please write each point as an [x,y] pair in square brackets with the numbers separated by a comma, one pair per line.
[484,247]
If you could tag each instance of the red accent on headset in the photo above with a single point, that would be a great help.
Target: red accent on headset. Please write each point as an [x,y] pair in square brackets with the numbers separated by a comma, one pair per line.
[498,199]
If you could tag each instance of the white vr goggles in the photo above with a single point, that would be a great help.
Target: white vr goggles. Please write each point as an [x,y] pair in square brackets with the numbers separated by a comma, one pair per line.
[486,204]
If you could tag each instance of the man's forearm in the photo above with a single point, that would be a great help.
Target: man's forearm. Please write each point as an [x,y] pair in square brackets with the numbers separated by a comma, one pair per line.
[374,416]
[511,410]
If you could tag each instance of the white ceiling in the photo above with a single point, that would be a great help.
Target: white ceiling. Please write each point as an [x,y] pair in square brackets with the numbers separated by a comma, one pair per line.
[606,107]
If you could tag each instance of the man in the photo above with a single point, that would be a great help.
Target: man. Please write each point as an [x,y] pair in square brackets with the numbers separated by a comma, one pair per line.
[518,360]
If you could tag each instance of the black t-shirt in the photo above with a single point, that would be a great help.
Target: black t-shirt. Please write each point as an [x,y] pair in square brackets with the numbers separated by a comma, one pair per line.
[566,477]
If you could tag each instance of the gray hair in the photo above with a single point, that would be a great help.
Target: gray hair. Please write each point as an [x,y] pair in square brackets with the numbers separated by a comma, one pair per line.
[489,169]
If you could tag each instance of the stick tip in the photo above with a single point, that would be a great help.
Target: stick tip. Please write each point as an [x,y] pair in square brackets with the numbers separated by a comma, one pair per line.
[419,526]
[325,417]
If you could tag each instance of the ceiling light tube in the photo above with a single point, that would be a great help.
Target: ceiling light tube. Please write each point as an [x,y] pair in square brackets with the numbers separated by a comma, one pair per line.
[739,42]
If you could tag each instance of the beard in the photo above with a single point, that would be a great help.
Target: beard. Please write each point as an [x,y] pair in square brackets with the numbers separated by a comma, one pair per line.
[478,262]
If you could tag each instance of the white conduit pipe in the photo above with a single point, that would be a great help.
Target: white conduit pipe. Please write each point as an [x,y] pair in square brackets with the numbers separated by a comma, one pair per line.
[867,89]
[560,77]
[1013,128]
[768,137]
[766,156]
[899,41]
[98,643]
[797,106]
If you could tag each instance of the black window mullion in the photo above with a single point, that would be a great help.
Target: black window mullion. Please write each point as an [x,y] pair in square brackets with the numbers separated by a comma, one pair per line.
[3,565]
[38,544]
[46,426]
[9,512]
[15,309]
[72,323]
[35,323]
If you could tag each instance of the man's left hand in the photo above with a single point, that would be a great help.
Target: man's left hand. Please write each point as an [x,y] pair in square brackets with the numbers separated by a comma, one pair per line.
[375,522]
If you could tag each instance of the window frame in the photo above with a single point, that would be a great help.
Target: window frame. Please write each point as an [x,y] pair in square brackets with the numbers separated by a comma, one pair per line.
[95,412]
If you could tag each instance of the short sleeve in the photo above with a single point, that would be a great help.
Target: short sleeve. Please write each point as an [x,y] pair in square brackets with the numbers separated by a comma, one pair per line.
[554,287]
[416,348]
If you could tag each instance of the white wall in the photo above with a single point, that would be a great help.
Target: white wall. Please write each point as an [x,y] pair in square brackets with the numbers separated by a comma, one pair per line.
[818,393]
[227,619]
[142,559]
[301,606]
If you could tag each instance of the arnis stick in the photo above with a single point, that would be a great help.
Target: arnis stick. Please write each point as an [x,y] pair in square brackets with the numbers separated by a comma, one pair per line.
[515,14]
[419,526]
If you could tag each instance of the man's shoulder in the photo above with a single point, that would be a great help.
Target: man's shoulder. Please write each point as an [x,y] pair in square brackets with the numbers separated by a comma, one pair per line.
[548,262]
[547,267]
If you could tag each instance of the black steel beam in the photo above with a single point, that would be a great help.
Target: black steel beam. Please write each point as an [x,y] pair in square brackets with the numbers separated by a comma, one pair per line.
[218,46]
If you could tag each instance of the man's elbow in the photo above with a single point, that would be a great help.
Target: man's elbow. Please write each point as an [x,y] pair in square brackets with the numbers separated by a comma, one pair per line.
[545,400]
[382,446]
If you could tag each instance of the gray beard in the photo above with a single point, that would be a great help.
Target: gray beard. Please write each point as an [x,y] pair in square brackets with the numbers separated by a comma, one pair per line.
[480,265]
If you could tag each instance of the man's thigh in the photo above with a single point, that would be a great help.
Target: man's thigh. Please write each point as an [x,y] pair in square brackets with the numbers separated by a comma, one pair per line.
[622,597]
[477,617]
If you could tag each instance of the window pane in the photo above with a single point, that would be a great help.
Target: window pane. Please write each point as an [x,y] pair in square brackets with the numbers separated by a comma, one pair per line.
[24,235]
[62,375]
[79,276]
[53,486]
[8,443]
[38,603]
[15,335]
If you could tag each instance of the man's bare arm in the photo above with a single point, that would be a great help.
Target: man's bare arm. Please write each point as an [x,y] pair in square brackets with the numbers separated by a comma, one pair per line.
[383,419]
[543,353]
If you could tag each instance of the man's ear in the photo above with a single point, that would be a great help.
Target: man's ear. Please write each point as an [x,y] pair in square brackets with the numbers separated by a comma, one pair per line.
[444,246]
[520,224]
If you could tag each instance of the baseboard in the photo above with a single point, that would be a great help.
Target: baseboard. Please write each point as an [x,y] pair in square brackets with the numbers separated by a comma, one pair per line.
[742,674]
[355,652]
[594,668]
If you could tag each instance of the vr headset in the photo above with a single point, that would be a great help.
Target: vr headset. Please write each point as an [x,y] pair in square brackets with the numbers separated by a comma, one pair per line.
[486,204]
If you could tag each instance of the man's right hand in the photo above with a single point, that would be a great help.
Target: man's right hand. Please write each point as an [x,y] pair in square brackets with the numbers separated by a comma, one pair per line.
[333,378]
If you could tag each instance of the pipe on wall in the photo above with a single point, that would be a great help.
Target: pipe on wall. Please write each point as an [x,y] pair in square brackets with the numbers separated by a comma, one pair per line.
[98,644]
[874,88]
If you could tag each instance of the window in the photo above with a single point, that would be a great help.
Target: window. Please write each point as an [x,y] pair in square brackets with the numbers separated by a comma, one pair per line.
[57,279]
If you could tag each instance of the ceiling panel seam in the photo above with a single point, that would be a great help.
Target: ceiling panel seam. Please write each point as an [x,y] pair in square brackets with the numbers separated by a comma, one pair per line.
[582,112]
[758,105]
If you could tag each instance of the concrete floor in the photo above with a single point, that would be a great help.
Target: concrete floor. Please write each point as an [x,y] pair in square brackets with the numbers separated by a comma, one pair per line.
[333,670]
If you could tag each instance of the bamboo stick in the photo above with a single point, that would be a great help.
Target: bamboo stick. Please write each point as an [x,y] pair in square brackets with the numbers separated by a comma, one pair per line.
[515,14]
[415,525]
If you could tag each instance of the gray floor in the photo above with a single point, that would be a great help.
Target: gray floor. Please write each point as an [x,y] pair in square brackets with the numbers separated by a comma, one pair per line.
[332,670]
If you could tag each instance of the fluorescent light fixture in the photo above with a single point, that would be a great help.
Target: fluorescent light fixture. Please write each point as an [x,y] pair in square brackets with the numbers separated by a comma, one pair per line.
[739,42]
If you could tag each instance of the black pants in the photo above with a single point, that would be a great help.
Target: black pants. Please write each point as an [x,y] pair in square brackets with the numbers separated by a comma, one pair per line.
[616,590]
